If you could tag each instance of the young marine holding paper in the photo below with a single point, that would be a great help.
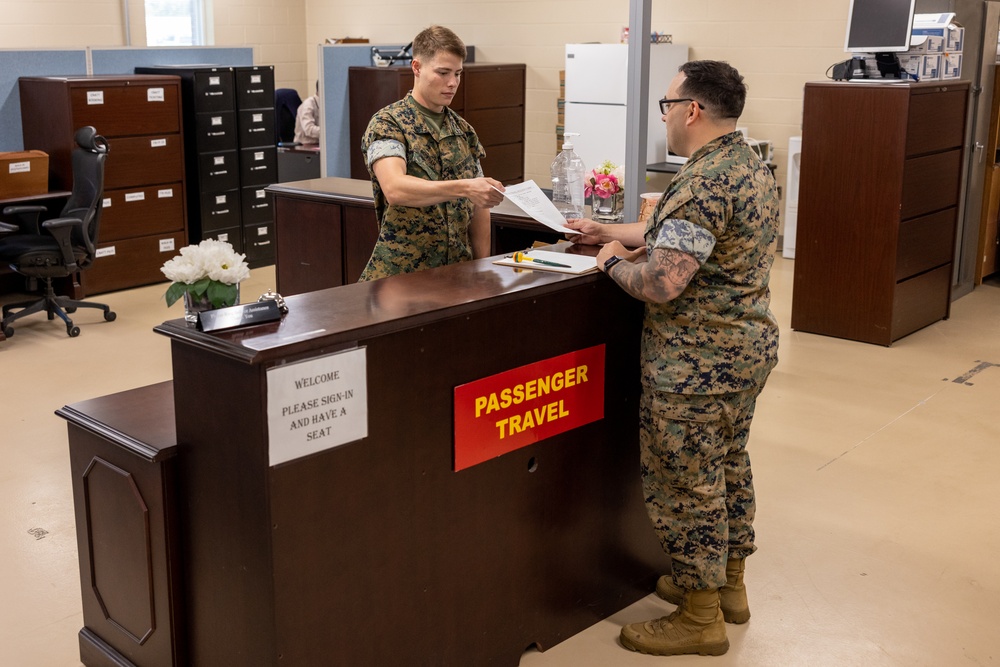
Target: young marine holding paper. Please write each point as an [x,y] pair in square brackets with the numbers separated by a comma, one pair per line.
[431,197]
[709,343]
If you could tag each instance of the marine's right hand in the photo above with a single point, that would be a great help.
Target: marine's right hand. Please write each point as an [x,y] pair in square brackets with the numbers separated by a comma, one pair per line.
[481,192]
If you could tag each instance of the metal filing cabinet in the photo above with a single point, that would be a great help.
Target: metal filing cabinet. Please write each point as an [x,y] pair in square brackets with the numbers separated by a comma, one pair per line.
[258,160]
[212,150]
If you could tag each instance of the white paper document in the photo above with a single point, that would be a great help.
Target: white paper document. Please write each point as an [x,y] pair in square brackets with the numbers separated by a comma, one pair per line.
[530,199]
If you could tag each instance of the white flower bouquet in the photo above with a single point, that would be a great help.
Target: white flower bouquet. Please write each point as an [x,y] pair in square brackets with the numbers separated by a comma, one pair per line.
[211,270]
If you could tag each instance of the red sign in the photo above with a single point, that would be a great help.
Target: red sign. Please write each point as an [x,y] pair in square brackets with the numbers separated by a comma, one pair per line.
[519,407]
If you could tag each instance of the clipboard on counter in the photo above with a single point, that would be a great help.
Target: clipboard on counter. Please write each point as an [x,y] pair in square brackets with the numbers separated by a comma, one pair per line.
[542,260]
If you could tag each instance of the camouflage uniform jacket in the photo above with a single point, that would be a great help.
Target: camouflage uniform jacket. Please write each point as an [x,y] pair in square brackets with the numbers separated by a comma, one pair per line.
[416,238]
[719,335]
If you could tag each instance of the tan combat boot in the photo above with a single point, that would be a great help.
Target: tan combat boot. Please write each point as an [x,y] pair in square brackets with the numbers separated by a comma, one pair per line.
[696,627]
[733,594]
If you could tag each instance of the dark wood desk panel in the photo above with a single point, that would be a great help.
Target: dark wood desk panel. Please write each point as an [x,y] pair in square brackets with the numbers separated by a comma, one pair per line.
[295,564]
[309,243]
[122,450]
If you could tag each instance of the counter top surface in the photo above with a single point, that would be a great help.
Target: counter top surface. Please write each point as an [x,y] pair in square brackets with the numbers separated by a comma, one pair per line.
[342,315]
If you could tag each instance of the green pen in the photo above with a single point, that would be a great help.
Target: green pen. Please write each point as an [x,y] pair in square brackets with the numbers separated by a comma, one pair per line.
[521,257]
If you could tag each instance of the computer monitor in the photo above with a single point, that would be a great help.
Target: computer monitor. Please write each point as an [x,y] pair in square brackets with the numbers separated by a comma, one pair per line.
[879,26]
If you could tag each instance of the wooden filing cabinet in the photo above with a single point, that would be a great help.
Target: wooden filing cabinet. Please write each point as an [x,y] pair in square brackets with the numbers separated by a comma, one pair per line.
[879,187]
[143,222]
[491,98]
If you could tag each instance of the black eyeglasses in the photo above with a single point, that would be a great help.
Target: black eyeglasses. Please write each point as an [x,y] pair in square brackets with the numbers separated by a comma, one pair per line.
[665,104]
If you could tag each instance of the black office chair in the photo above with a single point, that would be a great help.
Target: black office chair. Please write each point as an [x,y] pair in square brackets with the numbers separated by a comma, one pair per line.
[59,247]
[286,106]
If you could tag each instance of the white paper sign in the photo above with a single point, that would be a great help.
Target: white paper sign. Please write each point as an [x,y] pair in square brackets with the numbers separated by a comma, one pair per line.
[95,97]
[316,405]
[158,143]
[19,167]
[106,202]
[105,252]
[135,196]
[154,95]
[166,245]
[166,192]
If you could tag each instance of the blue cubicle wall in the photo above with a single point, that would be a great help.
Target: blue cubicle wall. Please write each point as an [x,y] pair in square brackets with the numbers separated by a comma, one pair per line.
[334,60]
[103,61]
[125,60]
[14,64]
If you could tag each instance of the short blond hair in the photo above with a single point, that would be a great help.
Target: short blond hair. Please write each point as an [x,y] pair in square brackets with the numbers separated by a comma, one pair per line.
[437,38]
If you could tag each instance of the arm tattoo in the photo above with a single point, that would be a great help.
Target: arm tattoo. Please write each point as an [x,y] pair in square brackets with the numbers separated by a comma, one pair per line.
[661,279]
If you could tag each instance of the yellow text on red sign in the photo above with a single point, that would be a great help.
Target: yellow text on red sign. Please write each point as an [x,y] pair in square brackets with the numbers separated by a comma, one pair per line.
[516,408]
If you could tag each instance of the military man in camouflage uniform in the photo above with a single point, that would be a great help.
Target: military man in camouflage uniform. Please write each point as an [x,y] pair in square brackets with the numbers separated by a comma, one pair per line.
[431,198]
[709,342]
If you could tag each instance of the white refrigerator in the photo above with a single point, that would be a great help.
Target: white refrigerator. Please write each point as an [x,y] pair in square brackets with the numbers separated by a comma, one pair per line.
[596,93]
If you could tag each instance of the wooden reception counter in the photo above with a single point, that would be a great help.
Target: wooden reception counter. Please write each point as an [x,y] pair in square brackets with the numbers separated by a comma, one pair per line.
[382,550]
[326,229]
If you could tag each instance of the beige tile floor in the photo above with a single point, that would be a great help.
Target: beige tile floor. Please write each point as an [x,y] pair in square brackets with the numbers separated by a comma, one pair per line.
[876,471]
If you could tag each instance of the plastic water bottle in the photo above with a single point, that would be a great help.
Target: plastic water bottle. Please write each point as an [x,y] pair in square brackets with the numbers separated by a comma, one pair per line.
[567,181]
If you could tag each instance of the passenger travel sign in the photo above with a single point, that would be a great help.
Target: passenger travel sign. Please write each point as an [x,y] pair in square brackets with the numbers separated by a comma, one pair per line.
[519,407]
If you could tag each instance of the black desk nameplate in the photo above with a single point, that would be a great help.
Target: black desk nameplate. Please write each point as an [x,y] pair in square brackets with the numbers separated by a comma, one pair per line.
[239,316]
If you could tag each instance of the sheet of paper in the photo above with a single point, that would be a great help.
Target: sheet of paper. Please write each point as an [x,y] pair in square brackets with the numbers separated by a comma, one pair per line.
[530,199]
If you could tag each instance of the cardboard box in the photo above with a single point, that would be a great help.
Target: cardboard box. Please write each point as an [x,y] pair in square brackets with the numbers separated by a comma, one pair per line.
[941,25]
[24,173]
[951,66]
[912,64]
[921,44]
[931,70]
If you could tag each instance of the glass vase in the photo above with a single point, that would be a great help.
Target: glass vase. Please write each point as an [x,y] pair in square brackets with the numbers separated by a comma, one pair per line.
[199,304]
[610,209]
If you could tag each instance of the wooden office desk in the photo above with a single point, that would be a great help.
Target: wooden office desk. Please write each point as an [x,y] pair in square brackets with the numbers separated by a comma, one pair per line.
[326,230]
[307,562]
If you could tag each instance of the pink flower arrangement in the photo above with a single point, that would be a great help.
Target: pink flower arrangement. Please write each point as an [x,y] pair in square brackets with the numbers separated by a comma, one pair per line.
[604,181]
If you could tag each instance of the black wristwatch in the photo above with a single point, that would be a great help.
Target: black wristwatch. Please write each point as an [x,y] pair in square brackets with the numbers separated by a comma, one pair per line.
[614,259]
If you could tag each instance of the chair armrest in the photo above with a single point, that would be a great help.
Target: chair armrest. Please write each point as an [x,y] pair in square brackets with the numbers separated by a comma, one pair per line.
[62,230]
[28,217]
[7,229]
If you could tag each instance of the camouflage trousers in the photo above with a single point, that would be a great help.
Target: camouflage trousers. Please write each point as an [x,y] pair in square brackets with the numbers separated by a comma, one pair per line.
[697,482]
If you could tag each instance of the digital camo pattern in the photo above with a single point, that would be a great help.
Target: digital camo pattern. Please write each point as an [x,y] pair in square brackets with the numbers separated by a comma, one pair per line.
[719,335]
[696,480]
[416,238]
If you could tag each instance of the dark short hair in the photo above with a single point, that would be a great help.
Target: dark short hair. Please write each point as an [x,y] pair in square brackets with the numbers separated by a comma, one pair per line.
[437,38]
[717,85]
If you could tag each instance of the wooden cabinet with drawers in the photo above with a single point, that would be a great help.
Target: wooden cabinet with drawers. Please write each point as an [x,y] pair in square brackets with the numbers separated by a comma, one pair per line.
[143,222]
[491,98]
[880,177]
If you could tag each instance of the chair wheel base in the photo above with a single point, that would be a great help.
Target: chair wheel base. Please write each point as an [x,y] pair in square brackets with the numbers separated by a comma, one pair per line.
[72,330]
[110,316]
